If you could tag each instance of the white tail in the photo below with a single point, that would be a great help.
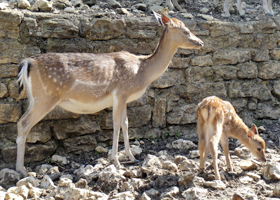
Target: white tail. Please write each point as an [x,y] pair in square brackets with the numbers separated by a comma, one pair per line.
[216,121]
[267,6]
[87,83]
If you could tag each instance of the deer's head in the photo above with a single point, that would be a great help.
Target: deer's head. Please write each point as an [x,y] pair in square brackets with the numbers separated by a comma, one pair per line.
[181,36]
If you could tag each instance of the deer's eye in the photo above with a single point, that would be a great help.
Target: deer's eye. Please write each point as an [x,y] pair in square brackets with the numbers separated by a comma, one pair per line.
[259,149]
[186,33]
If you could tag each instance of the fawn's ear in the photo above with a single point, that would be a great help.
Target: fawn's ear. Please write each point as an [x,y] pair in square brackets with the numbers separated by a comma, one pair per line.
[255,129]
[162,19]
[251,134]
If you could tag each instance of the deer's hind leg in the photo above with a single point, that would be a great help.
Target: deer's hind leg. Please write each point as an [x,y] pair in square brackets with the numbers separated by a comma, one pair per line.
[214,142]
[36,111]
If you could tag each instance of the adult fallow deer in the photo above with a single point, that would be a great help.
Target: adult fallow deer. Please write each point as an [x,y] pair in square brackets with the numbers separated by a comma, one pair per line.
[267,6]
[216,121]
[87,83]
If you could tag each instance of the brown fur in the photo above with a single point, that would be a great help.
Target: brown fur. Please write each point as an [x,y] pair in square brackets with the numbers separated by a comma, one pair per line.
[216,121]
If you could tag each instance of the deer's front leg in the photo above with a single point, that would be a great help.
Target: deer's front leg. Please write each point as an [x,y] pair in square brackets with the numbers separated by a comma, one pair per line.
[125,135]
[225,143]
[226,8]
[267,6]
[239,8]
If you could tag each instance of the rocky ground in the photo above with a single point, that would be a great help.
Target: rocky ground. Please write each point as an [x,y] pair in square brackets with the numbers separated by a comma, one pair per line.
[168,168]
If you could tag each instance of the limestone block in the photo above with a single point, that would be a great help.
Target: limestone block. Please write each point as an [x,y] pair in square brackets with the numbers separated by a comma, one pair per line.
[180,63]
[222,28]
[194,93]
[183,144]
[13,52]
[199,74]
[3,90]
[137,117]
[271,171]
[9,177]
[276,88]
[61,4]
[42,5]
[41,132]
[70,128]
[202,60]
[170,192]
[253,88]
[23,4]
[231,56]
[159,118]
[247,165]
[247,70]
[217,184]
[139,28]
[80,144]
[9,24]
[275,54]
[22,191]
[195,193]
[260,55]
[266,110]
[59,160]
[47,183]
[269,70]
[224,72]
[9,112]
[168,79]
[103,29]
[8,70]
[13,89]
[28,180]
[152,161]
[56,28]
[182,114]
[169,166]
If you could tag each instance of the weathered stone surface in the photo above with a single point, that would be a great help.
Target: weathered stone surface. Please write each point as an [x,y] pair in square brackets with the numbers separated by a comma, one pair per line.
[23,4]
[59,113]
[140,28]
[9,26]
[251,88]
[183,144]
[70,128]
[202,61]
[9,112]
[276,88]
[42,5]
[269,70]
[182,114]
[199,74]
[275,54]
[228,56]
[217,184]
[195,193]
[3,90]
[57,28]
[242,152]
[8,70]
[28,180]
[196,92]
[80,144]
[260,55]
[137,117]
[61,4]
[59,160]
[247,70]
[159,118]
[13,52]
[265,110]
[247,165]
[41,132]
[271,171]
[224,72]
[168,79]
[103,29]
[179,63]
[152,161]
[8,177]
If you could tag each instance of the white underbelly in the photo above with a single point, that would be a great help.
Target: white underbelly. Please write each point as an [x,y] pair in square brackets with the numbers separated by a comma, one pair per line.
[86,108]
[136,96]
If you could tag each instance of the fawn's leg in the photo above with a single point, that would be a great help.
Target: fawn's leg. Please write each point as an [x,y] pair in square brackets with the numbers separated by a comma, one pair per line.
[225,143]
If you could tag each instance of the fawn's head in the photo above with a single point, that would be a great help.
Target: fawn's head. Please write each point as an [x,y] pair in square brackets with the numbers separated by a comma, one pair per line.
[181,35]
[256,144]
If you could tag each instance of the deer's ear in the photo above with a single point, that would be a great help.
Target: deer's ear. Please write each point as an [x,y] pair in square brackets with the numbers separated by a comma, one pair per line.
[162,19]
[251,134]
[255,129]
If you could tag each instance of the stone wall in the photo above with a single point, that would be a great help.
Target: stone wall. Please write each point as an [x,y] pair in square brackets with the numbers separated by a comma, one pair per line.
[240,63]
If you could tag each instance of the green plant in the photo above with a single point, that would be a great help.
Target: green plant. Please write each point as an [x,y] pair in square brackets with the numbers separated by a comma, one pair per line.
[167,133]
[48,160]
[177,134]
[96,153]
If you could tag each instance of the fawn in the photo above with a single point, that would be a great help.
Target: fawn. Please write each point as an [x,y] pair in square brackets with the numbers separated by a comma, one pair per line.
[216,121]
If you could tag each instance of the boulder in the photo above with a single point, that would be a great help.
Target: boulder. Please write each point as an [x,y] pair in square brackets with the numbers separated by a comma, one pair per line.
[271,171]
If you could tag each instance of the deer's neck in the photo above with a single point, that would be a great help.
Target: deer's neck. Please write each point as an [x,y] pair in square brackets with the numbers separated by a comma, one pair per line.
[158,62]
[240,131]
